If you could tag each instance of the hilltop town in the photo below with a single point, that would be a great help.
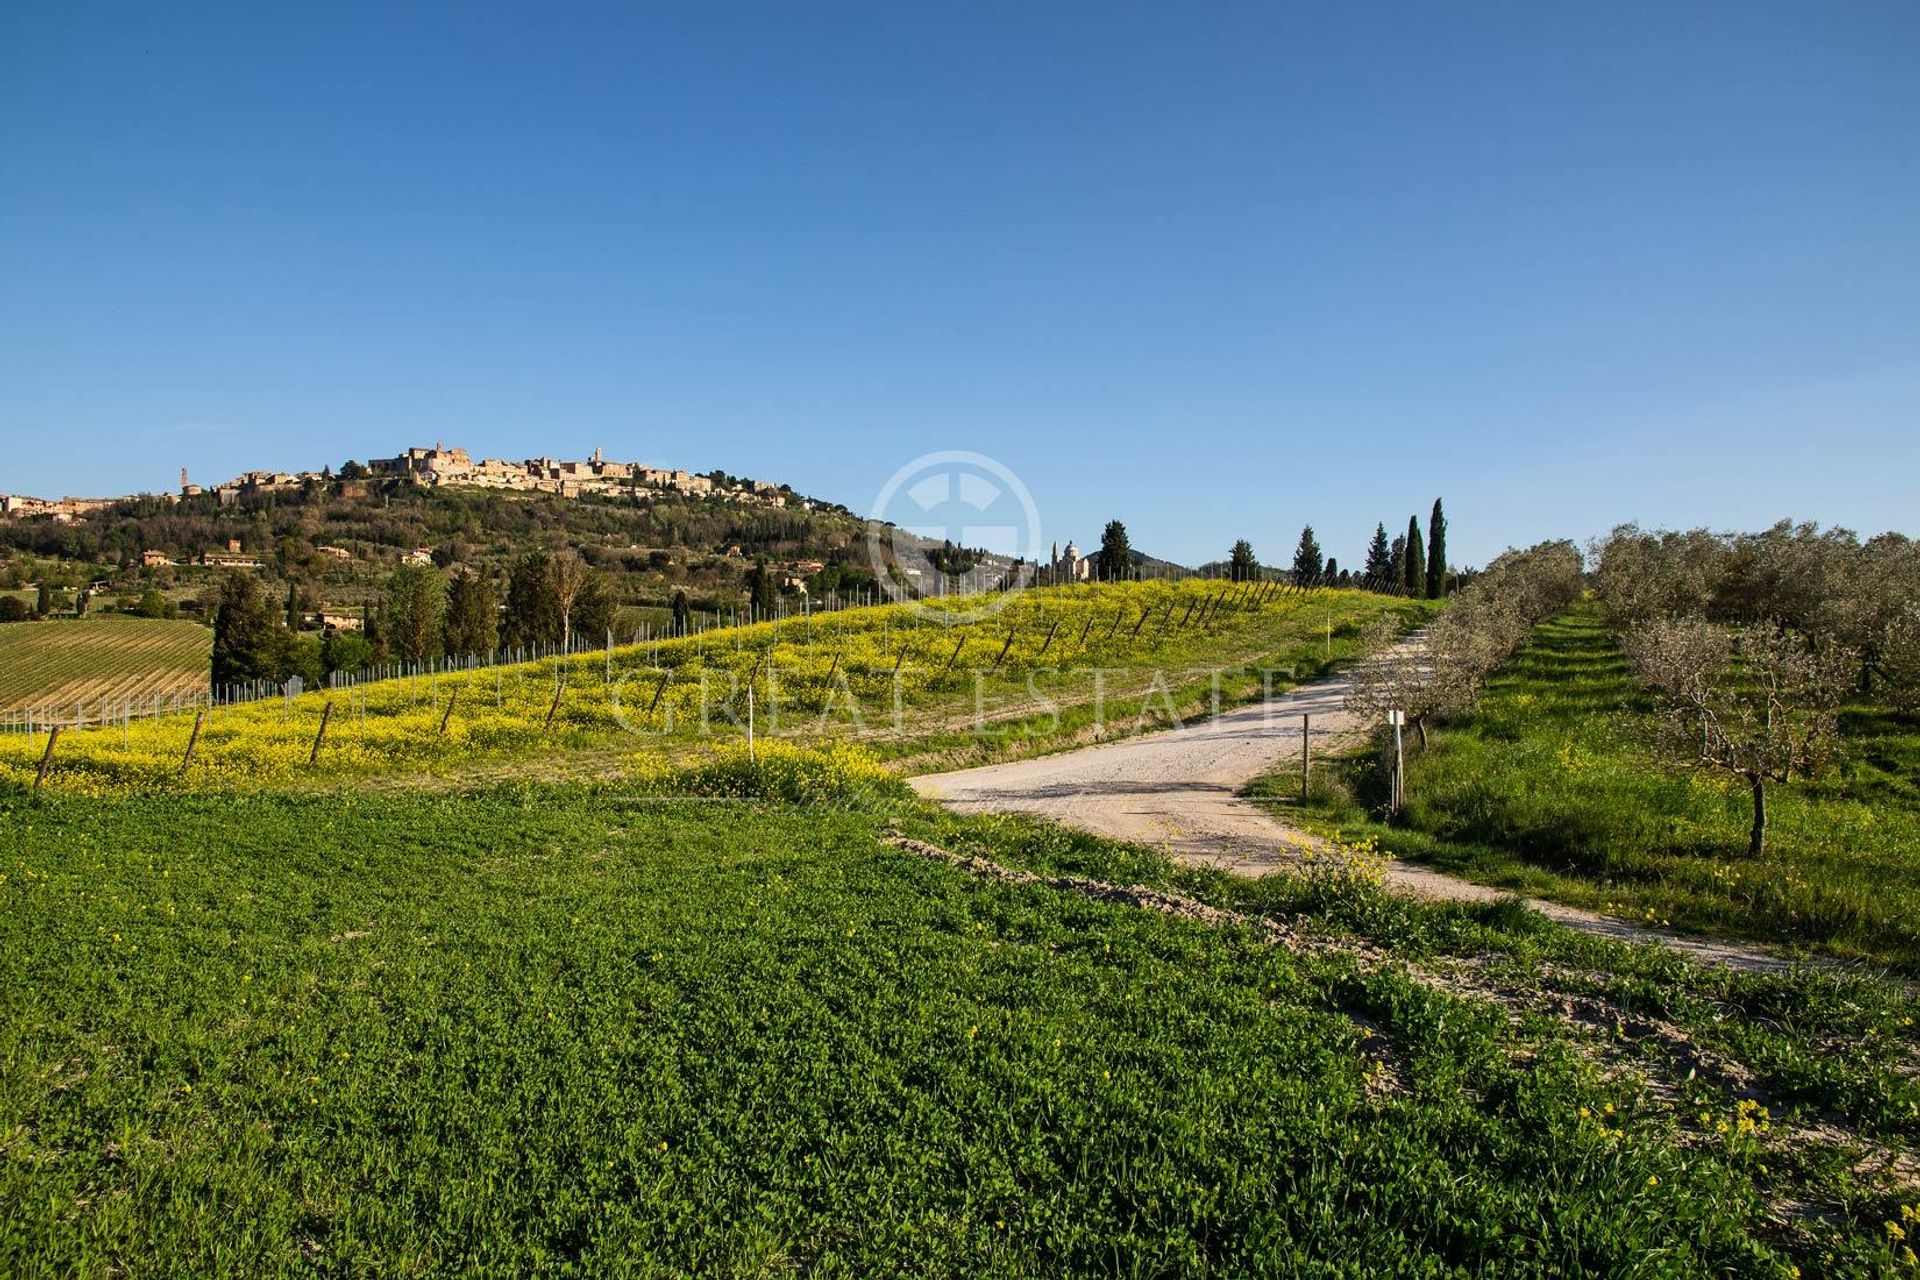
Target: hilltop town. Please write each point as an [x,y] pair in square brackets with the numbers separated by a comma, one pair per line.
[439,466]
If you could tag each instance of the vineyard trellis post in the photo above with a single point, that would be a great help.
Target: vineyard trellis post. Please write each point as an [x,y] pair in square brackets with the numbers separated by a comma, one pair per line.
[193,740]
[326,715]
[46,758]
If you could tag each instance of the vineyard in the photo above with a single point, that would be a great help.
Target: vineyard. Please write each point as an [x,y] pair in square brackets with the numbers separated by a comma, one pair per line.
[93,662]
[886,673]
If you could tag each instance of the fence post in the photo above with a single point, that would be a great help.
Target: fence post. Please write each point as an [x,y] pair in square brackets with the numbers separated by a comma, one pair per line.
[193,740]
[46,759]
[453,700]
[1003,648]
[326,714]
[1306,754]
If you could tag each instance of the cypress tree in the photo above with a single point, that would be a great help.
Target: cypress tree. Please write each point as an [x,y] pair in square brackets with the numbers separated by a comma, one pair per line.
[244,643]
[597,606]
[1436,553]
[533,616]
[1416,579]
[763,592]
[1379,557]
[1307,564]
[1397,564]
[416,612]
[473,616]
[1114,561]
[1241,564]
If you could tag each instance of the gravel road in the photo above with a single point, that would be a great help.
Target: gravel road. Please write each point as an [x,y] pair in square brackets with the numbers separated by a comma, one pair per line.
[1178,789]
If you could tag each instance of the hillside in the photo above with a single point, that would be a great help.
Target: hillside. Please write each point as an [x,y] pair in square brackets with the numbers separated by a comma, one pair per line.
[650,543]
[100,660]
[1052,664]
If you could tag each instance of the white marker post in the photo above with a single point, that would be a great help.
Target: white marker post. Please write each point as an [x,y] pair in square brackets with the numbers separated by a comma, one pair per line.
[1397,719]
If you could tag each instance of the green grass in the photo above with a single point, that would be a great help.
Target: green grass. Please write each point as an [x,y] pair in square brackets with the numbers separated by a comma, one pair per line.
[552,1030]
[1548,789]
[58,663]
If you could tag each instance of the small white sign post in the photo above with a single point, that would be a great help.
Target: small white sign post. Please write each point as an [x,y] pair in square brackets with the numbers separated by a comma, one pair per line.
[1398,720]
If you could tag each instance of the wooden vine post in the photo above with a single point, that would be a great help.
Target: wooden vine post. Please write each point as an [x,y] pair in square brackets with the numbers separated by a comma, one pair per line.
[326,717]
[193,740]
[658,690]
[452,701]
[1011,631]
[46,759]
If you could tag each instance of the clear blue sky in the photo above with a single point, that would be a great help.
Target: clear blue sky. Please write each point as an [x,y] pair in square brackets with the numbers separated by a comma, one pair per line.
[1218,270]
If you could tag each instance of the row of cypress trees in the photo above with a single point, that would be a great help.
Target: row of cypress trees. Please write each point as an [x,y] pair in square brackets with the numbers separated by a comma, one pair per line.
[1417,564]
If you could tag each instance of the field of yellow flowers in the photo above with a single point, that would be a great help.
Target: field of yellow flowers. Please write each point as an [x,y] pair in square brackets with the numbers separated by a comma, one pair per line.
[870,672]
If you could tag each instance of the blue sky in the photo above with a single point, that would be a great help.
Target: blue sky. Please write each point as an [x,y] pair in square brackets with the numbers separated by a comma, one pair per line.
[1218,270]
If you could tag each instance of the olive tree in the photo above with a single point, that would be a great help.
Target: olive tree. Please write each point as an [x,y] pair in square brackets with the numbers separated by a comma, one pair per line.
[1640,576]
[1900,658]
[1758,703]
[1405,675]
[1440,671]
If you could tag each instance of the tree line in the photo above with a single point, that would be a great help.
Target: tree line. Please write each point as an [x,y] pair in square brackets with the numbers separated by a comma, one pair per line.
[1416,565]
[423,614]
[1407,565]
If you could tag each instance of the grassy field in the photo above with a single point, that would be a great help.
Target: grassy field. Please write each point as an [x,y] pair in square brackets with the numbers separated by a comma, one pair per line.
[564,1030]
[1040,673]
[713,1016]
[1547,789]
[105,659]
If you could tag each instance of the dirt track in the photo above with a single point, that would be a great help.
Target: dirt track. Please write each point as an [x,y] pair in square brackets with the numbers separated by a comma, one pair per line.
[1179,790]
